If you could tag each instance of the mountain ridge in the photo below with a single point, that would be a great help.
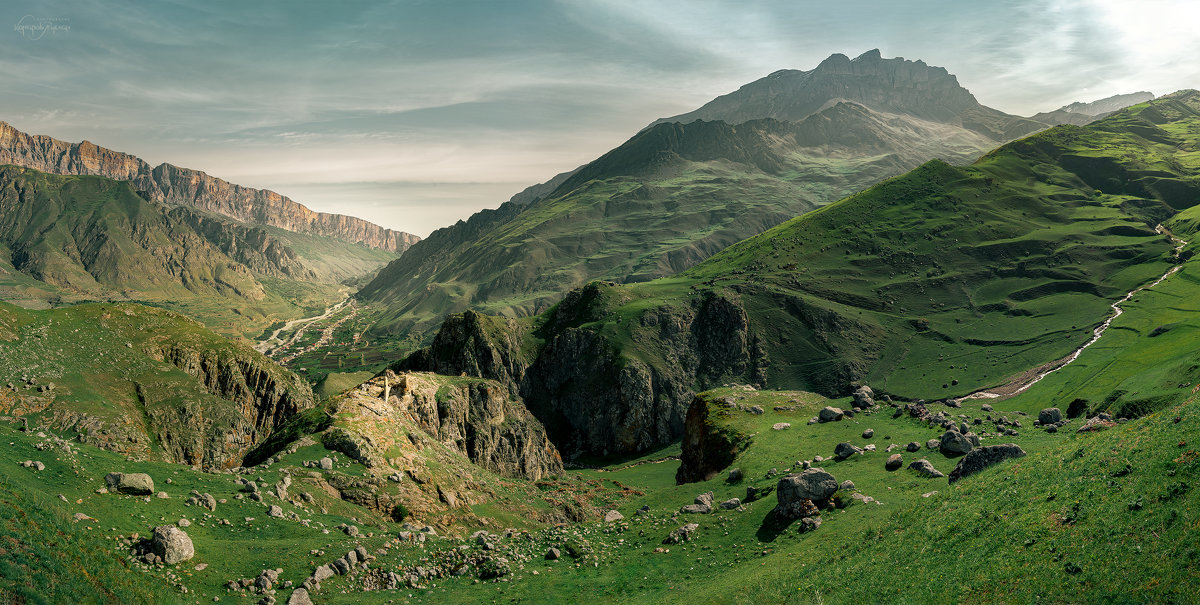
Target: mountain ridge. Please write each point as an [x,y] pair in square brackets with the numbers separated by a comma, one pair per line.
[175,185]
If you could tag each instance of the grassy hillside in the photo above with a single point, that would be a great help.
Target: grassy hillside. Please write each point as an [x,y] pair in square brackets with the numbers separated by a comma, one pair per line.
[145,382]
[665,200]
[67,239]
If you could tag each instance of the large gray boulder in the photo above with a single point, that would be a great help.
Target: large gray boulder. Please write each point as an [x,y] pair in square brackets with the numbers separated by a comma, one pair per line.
[830,414]
[136,484]
[925,468]
[864,397]
[981,458]
[894,462]
[799,492]
[954,443]
[845,450]
[171,544]
[1049,416]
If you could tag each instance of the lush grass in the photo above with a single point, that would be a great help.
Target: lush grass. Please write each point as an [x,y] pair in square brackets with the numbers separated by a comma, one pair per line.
[665,200]
[945,280]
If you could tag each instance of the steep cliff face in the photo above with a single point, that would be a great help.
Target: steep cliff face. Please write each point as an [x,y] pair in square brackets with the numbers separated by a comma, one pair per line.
[593,395]
[146,382]
[709,443]
[181,186]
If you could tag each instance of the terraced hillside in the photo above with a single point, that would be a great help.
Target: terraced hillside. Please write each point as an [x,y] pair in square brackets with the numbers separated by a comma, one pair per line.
[931,285]
[681,190]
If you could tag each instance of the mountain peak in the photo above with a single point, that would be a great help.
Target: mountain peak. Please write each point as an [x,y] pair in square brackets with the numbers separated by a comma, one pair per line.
[890,86]
[871,55]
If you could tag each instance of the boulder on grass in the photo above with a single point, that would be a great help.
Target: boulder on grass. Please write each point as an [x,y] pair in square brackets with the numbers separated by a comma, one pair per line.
[1049,416]
[171,544]
[981,458]
[134,484]
[799,491]
[830,414]
[925,468]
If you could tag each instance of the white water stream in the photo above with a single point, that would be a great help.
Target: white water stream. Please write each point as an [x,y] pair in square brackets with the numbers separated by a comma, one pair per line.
[1096,334]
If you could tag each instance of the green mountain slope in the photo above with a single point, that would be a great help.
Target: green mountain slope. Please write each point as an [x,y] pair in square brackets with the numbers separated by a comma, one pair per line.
[931,285]
[676,193]
[144,382]
[66,239]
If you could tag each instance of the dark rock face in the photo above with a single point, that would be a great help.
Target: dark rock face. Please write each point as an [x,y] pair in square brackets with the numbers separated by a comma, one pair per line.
[983,457]
[183,187]
[264,396]
[708,445]
[586,393]
[483,422]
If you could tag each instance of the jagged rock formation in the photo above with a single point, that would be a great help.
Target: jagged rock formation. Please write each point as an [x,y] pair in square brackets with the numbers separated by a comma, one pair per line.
[591,398]
[252,247]
[184,187]
[476,418]
[896,86]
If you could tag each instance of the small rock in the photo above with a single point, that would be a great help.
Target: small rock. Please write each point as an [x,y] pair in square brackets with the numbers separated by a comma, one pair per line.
[326,464]
[731,504]
[781,426]
[681,534]
[830,414]
[868,433]
[913,446]
[984,457]
[846,485]
[274,511]
[808,524]
[553,554]
[613,516]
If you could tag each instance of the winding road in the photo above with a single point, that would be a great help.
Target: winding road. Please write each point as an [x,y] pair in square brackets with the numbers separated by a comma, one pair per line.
[273,342]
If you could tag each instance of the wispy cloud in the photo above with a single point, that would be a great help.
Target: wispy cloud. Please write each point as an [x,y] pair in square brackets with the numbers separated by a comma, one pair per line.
[413,114]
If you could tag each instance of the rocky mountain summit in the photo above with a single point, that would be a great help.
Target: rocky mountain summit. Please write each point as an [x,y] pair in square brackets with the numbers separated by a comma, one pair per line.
[894,86]
[178,186]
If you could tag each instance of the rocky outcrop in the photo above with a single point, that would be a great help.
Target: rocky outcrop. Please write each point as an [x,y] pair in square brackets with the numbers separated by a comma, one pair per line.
[709,444]
[476,418]
[262,395]
[592,397]
[184,187]
[984,457]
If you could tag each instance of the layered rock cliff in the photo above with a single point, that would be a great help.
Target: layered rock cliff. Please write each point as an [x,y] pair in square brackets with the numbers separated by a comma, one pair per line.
[181,186]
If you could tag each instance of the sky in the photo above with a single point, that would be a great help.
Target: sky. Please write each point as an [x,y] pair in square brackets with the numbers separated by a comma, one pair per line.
[414,114]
